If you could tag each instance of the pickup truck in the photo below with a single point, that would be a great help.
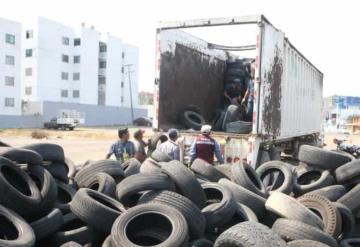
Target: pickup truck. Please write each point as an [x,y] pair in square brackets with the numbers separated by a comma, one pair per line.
[61,123]
[190,72]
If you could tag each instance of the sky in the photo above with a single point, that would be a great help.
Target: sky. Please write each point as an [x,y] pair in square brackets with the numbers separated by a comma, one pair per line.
[326,32]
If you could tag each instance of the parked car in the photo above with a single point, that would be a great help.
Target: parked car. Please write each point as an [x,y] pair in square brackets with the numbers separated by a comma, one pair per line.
[143,121]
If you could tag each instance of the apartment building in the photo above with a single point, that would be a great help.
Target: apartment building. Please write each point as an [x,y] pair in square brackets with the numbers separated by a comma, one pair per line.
[10,49]
[63,64]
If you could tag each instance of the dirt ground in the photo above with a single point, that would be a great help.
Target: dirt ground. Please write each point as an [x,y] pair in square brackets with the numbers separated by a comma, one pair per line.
[83,144]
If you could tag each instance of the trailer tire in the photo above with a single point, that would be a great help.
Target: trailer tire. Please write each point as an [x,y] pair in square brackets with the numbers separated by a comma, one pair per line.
[249,234]
[206,170]
[285,169]
[48,151]
[332,192]
[192,120]
[14,225]
[195,219]
[48,225]
[291,230]
[102,183]
[322,158]
[348,171]
[247,177]
[167,219]
[127,189]
[287,207]
[329,213]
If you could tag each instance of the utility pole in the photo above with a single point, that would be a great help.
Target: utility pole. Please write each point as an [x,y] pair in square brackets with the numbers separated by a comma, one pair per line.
[131,101]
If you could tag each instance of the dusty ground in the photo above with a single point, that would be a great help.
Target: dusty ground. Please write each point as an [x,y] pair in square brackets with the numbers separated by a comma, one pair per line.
[93,143]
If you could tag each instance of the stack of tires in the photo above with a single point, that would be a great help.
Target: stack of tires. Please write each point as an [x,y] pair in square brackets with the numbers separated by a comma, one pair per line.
[236,72]
[47,201]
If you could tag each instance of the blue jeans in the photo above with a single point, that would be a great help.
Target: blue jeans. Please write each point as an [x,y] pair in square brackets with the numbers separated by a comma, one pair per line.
[249,111]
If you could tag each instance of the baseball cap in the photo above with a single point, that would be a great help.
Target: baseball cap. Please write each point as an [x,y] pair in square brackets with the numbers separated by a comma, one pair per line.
[173,133]
[206,129]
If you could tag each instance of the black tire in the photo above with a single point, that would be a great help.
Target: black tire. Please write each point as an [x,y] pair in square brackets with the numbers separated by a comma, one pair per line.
[131,167]
[96,209]
[111,167]
[239,127]
[351,199]
[107,242]
[22,156]
[291,230]
[347,219]
[186,183]
[159,156]
[127,191]
[58,170]
[71,244]
[48,151]
[47,186]
[201,243]
[306,243]
[285,173]
[247,177]
[232,114]
[195,219]
[328,212]
[249,234]
[311,179]
[287,207]
[206,170]
[239,72]
[74,230]
[332,193]
[102,183]
[150,166]
[15,232]
[350,242]
[347,172]
[156,140]
[4,144]
[217,120]
[147,217]
[65,195]
[225,170]
[246,197]
[192,120]
[220,207]
[48,225]
[321,158]
[18,191]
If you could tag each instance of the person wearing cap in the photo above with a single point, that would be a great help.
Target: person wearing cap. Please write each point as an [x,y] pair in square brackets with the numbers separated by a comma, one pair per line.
[140,145]
[204,147]
[170,147]
[123,149]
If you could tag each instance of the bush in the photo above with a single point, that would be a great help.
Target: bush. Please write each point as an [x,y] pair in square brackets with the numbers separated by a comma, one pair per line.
[39,134]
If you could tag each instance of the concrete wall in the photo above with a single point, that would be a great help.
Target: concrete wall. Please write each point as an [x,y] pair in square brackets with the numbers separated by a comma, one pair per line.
[12,122]
[6,91]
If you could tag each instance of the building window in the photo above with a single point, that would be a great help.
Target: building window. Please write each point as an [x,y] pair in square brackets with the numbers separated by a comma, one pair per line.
[76,76]
[77,42]
[64,93]
[76,59]
[65,40]
[123,54]
[10,38]
[64,76]
[65,58]
[122,99]
[102,79]
[28,52]
[102,47]
[29,34]
[102,64]
[76,94]
[9,81]
[28,72]
[28,90]
[9,102]
[122,70]
[9,60]
[122,84]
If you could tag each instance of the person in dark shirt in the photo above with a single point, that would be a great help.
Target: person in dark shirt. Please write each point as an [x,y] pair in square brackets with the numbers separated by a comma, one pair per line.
[123,149]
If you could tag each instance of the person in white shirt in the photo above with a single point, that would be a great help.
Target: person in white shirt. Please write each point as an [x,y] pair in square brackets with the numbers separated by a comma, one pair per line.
[170,147]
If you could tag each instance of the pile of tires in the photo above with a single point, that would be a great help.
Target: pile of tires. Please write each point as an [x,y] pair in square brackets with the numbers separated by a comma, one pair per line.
[236,72]
[47,201]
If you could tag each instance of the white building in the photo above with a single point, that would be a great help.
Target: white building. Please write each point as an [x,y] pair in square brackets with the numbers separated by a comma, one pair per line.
[61,64]
[10,49]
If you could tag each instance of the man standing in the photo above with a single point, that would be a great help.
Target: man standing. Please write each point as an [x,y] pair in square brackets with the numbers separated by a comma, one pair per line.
[170,147]
[123,148]
[140,145]
[204,147]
